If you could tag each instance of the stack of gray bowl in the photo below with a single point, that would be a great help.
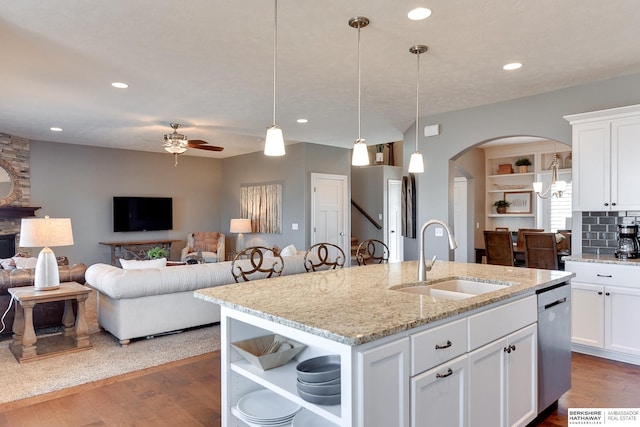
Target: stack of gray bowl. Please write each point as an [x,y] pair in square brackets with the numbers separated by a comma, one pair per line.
[319,380]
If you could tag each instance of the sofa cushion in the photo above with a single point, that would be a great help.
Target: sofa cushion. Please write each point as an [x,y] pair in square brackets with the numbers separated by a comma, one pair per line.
[119,283]
[289,251]
[23,262]
[129,264]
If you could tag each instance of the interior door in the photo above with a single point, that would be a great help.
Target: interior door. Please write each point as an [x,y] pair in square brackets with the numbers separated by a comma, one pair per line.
[394,220]
[329,214]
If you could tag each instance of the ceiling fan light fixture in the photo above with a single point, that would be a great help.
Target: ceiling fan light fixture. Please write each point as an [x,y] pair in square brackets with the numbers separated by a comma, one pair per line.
[274,142]
[175,149]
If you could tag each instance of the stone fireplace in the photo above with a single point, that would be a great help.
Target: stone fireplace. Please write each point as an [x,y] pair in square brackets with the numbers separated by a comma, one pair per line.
[14,205]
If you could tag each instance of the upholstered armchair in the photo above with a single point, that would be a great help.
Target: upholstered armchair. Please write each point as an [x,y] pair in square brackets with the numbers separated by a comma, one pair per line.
[210,245]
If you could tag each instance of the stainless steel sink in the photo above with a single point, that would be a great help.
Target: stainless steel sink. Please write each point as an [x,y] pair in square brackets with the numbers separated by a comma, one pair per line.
[453,289]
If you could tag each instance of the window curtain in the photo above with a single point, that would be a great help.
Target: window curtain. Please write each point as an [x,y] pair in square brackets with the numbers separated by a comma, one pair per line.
[263,205]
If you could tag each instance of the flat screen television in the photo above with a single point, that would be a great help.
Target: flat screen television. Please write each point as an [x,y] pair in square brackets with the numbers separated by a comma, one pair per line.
[142,213]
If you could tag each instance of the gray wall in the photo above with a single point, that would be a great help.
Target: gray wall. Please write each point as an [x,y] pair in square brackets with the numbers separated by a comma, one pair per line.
[79,182]
[293,171]
[540,115]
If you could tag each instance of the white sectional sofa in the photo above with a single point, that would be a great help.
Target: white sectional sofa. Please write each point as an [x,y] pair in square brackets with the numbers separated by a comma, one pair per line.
[135,303]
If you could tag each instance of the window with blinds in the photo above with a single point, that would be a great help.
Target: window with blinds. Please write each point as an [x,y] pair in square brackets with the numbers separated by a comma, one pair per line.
[560,210]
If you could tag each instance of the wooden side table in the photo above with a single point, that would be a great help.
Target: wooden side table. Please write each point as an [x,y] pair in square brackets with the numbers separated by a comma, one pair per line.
[26,346]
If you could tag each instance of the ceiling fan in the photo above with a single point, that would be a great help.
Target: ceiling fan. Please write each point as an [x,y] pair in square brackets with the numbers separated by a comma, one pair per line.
[176,143]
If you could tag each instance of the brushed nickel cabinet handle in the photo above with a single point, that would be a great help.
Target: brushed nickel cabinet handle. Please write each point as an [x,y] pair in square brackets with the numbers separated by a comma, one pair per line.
[447,345]
[449,372]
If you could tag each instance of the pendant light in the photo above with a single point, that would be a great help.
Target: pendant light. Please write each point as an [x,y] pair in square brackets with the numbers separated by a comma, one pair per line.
[416,162]
[557,186]
[274,141]
[360,152]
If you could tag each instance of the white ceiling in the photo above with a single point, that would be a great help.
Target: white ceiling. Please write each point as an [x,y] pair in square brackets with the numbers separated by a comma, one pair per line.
[208,64]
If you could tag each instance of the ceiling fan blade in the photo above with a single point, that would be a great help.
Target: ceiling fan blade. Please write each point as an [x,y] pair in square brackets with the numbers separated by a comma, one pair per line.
[197,142]
[206,147]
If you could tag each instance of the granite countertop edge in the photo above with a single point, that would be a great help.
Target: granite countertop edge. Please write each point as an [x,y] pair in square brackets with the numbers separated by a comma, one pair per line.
[470,304]
[602,259]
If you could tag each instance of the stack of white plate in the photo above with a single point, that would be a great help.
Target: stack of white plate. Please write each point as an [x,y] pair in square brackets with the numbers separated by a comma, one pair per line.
[266,408]
[319,380]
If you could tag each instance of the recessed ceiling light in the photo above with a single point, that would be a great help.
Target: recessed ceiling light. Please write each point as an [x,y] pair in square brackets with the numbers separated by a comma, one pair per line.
[120,85]
[302,121]
[56,129]
[419,13]
[512,66]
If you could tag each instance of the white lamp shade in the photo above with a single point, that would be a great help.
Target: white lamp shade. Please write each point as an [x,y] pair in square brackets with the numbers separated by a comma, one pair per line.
[537,187]
[274,142]
[45,232]
[360,154]
[240,225]
[416,163]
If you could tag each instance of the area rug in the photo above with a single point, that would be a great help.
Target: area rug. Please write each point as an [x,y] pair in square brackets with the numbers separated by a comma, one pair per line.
[106,359]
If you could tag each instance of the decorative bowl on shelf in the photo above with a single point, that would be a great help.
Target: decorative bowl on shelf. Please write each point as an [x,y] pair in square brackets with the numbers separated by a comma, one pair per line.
[269,351]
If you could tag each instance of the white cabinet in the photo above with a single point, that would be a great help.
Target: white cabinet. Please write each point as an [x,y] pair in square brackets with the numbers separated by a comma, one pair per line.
[503,380]
[605,153]
[587,314]
[605,310]
[439,397]
[384,372]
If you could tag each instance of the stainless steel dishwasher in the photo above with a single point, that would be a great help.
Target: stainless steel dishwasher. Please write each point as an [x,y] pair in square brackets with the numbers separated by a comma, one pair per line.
[554,344]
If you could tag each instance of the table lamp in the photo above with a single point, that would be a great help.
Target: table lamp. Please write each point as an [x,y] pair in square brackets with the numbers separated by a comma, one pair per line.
[240,225]
[46,232]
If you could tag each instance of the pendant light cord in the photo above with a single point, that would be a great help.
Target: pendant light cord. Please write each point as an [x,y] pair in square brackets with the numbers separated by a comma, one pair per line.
[359,84]
[275,58]
[417,99]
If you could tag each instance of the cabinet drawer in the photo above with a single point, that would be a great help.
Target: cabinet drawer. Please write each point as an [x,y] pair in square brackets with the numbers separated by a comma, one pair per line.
[435,346]
[603,274]
[500,321]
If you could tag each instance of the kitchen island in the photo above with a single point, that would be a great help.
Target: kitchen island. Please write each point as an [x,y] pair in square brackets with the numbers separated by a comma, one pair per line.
[385,339]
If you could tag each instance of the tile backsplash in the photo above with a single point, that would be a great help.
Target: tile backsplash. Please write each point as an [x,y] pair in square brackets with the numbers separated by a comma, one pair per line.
[600,230]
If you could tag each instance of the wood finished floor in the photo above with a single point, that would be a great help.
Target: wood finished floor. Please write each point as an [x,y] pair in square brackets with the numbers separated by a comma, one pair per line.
[186,393]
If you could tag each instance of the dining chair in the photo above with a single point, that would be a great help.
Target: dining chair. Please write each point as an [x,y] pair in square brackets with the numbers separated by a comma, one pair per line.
[499,247]
[252,263]
[372,251]
[324,256]
[519,250]
[541,251]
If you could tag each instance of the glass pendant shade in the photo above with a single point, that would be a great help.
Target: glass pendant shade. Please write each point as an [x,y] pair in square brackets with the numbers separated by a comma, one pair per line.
[537,187]
[360,153]
[175,149]
[416,163]
[274,142]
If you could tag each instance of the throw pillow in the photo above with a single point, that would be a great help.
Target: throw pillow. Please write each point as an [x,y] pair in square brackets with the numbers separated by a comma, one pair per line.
[289,251]
[8,264]
[133,264]
[22,262]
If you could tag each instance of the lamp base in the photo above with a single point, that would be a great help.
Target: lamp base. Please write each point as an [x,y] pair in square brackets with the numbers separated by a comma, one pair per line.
[239,242]
[47,276]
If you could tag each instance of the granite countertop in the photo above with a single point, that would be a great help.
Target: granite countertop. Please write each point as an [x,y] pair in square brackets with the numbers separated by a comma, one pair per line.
[359,304]
[603,259]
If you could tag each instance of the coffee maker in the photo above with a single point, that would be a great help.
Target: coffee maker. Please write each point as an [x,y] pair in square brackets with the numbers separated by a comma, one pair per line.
[627,242]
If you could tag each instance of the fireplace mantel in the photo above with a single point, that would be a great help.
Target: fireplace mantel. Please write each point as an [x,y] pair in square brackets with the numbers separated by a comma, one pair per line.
[9,212]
